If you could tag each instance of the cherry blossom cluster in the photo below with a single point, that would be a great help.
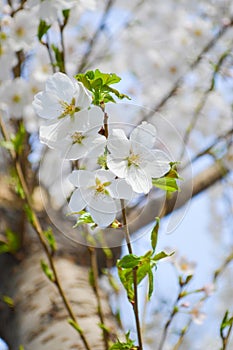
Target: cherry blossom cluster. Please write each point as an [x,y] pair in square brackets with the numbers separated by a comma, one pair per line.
[74,130]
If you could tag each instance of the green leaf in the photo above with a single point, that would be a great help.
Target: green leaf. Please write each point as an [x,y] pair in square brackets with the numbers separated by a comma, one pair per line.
[47,271]
[19,138]
[21,347]
[99,84]
[154,234]
[126,277]
[8,300]
[50,239]
[30,214]
[104,328]
[11,244]
[151,283]
[16,141]
[75,326]
[144,265]
[66,14]
[226,322]
[84,218]
[161,255]
[59,57]
[129,261]
[42,29]
[166,184]
[3,247]
[127,345]
[7,144]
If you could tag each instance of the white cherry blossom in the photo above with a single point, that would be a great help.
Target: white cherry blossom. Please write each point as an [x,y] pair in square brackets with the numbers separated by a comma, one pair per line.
[98,191]
[135,159]
[23,30]
[50,11]
[76,137]
[62,97]
[15,95]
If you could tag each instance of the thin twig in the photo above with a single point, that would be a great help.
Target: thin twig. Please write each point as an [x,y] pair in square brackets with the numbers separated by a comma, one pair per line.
[216,275]
[38,229]
[130,250]
[95,36]
[202,102]
[222,30]
[170,319]
[209,148]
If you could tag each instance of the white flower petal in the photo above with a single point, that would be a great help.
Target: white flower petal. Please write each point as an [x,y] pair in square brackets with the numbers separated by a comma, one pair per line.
[62,86]
[47,105]
[105,175]
[77,201]
[139,180]
[82,97]
[73,152]
[96,118]
[118,144]
[82,178]
[102,209]
[95,145]
[144,134]
[118,166]
[120,189]
[159,164]
[48,134]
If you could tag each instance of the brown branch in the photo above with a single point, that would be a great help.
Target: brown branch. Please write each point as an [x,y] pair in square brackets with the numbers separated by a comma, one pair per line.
[189,189]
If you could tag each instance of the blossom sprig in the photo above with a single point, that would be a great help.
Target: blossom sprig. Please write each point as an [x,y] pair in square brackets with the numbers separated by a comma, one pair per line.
[76,117]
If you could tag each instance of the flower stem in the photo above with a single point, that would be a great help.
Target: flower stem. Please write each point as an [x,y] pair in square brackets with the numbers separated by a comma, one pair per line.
[130,250]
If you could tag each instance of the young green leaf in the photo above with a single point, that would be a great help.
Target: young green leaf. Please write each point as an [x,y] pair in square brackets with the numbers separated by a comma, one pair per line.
[42,29]
[84,218]
[127,345]
[50,239]
[47,271]
[11,244]
[129,261]
[154,234]
[161,255]
[8,300]
[166,183]
[75,326]
[29,213]
[99,84]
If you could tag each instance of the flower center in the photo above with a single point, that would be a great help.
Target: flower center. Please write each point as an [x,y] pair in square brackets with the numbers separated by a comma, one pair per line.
[68,109]
[77,137]
[133,159]
[100,187]
[20,31]
[16,99]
